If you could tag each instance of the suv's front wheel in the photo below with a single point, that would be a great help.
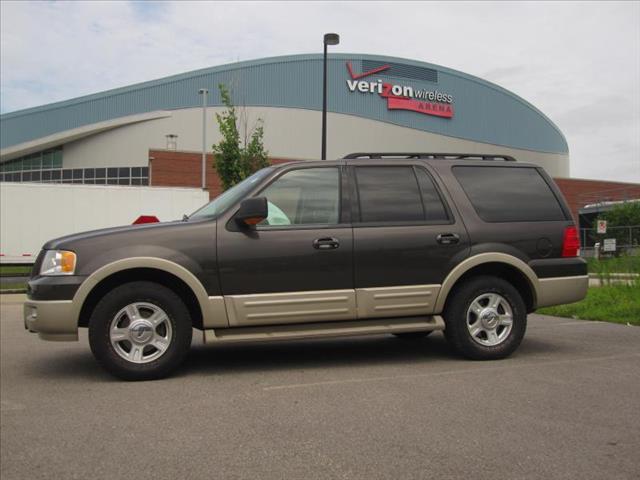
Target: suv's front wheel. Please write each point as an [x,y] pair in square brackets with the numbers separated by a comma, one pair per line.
[140,331]
[485,318]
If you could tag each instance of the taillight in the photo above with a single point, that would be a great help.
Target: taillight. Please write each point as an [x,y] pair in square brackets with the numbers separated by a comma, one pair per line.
[570,242]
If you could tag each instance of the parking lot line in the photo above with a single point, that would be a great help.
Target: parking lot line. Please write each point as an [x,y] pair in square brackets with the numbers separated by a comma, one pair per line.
[510,366]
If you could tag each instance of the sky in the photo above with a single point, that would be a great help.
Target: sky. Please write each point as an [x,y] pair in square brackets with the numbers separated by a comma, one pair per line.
[578,62]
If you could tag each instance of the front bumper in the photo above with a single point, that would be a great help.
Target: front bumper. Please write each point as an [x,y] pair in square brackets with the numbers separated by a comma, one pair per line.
[51,319]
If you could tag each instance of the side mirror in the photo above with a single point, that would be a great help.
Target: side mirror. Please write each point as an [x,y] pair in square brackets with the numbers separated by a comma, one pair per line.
[252,211]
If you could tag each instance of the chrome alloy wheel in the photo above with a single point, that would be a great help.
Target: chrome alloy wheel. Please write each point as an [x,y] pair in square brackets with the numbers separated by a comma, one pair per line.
[141,332]
[489,319]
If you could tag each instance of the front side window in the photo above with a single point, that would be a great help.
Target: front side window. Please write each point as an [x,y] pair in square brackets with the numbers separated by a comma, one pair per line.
[309,196]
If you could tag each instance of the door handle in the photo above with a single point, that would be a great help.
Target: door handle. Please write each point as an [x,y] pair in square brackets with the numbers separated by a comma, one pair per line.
[327,243]
[448,238]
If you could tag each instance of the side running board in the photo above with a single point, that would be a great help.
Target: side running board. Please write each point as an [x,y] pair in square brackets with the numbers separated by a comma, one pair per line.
[324,329]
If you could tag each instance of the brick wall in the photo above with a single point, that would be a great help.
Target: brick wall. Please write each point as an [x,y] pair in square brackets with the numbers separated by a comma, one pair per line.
[579,192]
[182,169]
[170,168]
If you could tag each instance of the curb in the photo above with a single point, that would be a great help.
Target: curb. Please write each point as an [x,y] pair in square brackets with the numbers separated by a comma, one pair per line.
[617,276]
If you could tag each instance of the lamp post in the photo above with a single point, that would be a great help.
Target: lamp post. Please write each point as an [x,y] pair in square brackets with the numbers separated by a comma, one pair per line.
[204,92]
[329,39]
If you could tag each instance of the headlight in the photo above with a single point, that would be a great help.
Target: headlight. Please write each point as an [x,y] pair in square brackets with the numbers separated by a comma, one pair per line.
[58,262]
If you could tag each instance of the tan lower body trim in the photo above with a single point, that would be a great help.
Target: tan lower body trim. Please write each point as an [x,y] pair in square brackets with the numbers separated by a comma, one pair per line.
[290,307]
[52,319]
[324,330]
[217,316]
[396,301]
[560,290]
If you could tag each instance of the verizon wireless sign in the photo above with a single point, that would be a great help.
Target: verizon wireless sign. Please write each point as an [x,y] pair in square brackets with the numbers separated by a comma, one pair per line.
[401,97]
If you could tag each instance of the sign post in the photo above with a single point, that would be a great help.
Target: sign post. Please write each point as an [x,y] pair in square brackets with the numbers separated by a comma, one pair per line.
[602,226]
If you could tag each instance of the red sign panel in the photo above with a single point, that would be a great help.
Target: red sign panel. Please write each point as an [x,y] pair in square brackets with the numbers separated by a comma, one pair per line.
[428,108]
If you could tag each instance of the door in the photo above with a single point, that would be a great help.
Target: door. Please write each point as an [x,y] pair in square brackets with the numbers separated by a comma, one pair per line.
[297,265]
[406,240]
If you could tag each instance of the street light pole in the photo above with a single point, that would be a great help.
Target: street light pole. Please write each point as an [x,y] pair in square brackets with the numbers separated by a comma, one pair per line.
[204,92]
[329,39]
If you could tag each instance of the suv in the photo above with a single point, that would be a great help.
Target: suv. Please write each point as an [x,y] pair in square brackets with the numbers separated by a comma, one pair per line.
[400,244]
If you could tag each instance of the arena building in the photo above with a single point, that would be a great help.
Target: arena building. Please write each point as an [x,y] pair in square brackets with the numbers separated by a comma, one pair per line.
[152,133]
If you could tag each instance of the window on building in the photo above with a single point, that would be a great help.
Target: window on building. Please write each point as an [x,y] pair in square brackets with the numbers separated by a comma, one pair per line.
[46,167]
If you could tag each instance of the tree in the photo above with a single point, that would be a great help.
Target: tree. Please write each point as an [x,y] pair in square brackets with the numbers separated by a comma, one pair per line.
[236,159]
[622,223]
[622,215]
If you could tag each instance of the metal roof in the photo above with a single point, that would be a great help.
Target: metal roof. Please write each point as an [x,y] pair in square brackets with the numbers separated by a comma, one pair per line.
[484,112]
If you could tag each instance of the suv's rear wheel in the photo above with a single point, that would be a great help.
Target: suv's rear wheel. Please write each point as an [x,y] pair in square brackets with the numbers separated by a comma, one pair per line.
[485,318]
[140,331]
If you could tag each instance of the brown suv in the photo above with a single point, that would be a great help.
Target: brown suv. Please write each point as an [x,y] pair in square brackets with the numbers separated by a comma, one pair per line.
[400,244]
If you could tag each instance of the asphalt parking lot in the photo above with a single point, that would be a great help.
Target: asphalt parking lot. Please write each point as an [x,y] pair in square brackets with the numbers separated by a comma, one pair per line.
[566,405]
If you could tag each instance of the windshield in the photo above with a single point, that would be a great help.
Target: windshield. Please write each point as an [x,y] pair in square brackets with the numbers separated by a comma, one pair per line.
[219,204]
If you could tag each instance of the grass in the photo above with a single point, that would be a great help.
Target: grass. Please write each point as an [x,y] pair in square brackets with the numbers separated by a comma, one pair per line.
[616,303]
[14,270]
[607,265]
[13,286]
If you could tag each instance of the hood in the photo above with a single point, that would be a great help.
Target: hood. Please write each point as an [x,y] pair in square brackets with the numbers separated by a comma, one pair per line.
[133,231]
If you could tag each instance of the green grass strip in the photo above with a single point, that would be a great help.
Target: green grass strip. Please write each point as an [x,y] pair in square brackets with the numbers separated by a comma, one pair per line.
[17,270]
[609,303]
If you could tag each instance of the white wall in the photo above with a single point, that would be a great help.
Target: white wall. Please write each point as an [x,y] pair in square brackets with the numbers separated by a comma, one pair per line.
[31,214]
[289,133]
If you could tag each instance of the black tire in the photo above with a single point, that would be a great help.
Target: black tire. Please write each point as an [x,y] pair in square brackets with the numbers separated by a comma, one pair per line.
[412,335]
[455,315]
[140,292]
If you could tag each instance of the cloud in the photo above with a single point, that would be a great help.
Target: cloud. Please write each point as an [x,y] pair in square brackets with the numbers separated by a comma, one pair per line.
[577,62]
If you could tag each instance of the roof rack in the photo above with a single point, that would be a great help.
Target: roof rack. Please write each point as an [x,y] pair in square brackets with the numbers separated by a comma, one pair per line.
[436,156]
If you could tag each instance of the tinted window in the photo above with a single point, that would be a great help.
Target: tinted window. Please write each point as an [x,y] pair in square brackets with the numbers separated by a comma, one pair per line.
[508,194]
[219,204]
[434,208]
[306,196]
[388,194]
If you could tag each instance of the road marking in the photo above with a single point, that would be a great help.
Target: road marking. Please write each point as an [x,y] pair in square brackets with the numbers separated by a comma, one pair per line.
[583,322]
[7,405]
[447,372]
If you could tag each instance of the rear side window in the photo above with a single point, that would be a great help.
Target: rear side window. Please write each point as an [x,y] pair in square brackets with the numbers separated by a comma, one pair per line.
[507,194]
[388,194]
[398,194]
[433,206]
